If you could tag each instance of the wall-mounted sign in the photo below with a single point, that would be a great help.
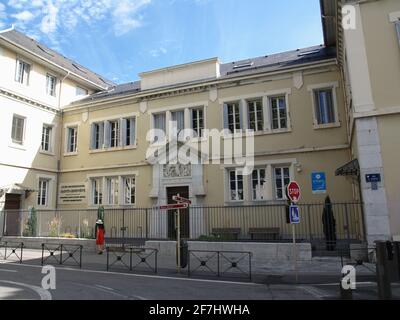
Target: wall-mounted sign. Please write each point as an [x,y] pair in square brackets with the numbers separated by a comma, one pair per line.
[71,194]
[318,182]
[374,177]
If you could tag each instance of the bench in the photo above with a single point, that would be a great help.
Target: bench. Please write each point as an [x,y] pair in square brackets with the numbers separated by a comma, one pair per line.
[227,233]
[264,233]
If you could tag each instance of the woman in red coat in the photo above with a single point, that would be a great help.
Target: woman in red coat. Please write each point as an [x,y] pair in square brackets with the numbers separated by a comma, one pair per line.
[100,231]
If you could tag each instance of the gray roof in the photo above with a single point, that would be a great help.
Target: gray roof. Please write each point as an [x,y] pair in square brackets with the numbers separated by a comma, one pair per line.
[268,63]
[41,50]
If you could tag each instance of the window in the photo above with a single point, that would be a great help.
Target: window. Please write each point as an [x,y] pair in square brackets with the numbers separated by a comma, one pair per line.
[129,132]
[282,179]
[235,185]
[232,117]
[43,194]
[256,118]
[279,113]
[258,184]
[81,92]
[198,121]
[114,134]
[179,118]
[51,82]
[97,191]
[22,72]
[112,190]
[72,139]
[324,107]
[46,138]
[97,136]
[159,124]
[17,131]
[129,190]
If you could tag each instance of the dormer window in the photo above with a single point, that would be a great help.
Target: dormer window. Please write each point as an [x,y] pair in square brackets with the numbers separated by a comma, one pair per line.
[81,92]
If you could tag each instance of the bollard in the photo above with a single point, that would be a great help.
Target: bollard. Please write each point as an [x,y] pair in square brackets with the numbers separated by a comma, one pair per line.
[382,270]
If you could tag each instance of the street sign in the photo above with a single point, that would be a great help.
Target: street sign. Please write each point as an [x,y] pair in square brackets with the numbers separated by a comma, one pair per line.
[181,200]
[294,215]
[318,182]
[293,191]
[174,206]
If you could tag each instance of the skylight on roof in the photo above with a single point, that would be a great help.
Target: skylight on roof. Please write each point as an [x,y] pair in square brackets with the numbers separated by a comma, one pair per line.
[243,65]
[44,50]
[78,67]
[308,53]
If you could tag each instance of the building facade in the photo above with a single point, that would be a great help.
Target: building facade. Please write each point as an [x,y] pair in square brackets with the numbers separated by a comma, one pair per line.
[298,115]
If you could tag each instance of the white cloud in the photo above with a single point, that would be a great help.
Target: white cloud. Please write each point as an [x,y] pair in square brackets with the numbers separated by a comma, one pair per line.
[24,16]
[50,17]
[3,15]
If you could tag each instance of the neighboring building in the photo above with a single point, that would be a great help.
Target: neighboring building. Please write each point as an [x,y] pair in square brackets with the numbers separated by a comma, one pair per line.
[307,108]
[369,57]
[35,83]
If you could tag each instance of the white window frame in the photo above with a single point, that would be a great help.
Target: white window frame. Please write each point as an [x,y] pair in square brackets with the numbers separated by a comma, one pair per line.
[258,170]
[397,27]
[117,133]
[132,131]
[125,190]
[111,190]
[100,197]
[40,192]
[312,89]
[20,78]
[50,137]
[237,173]
[270,106]
[235,123]
[49,90]
[199,130]
[23,127]
[248,105]
[281,167]
[68,126]
[153,121]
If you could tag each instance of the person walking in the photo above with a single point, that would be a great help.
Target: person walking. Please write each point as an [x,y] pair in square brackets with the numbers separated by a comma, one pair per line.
[100,232]
[329,224]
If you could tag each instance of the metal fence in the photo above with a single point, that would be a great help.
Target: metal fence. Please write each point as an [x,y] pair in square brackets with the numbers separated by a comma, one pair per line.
[239,223]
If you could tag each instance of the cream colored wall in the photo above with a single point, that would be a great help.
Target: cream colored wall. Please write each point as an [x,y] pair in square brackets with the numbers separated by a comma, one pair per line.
[302,136]
[390,147]
[36,89]
[383,51]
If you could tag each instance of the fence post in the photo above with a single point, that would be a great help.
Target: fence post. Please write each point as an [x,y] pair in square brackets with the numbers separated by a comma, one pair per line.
[347,223]
[79,224]
[309,223]
[147,223]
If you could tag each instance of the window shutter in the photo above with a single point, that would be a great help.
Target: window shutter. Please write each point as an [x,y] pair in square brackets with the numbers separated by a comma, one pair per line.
[93,137]
[123,131]
[133,131]
[107,134]
[226,124]
[241,110]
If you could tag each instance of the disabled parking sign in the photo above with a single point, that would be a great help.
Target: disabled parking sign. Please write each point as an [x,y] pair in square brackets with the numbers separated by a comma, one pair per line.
[294,214]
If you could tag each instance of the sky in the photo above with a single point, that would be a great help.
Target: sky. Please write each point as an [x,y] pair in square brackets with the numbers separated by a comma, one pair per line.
[121,38]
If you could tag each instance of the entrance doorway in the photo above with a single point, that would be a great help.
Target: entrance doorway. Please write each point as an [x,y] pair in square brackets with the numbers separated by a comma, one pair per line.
[11,208]
[184,214]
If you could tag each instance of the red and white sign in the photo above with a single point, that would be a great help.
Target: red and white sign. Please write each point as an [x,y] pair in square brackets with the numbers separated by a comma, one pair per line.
[293,191]
[174,206]
[181,200]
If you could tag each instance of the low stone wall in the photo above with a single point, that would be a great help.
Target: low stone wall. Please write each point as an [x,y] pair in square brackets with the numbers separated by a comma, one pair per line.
[36,243]
[263,254]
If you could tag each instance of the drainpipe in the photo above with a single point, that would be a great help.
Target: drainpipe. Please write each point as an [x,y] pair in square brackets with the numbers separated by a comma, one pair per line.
[60,140]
